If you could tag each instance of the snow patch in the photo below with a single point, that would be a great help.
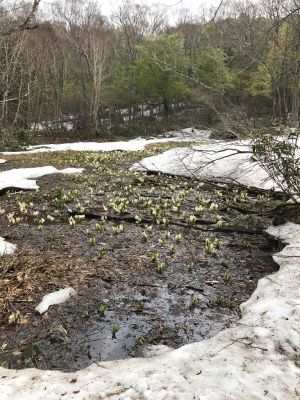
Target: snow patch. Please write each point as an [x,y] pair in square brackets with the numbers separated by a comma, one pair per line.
[155,350]
[220,161]
[2,161]
[58,297]
[6,247]
[138,144]
[25,178]
[254,359]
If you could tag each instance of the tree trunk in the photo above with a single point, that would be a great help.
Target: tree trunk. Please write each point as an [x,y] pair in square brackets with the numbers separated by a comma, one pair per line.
[294,116]
[166,107]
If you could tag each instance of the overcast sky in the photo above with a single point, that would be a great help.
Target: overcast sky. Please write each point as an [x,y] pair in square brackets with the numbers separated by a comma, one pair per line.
[108,6]
[173,6]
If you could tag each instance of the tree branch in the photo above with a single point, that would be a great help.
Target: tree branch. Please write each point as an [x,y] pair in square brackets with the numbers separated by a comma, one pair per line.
[27,23]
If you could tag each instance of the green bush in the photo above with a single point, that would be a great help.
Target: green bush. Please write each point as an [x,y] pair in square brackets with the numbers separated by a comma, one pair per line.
[279,155]
[12,139]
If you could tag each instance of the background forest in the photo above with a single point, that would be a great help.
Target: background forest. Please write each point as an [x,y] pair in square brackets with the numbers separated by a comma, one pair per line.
[74,70]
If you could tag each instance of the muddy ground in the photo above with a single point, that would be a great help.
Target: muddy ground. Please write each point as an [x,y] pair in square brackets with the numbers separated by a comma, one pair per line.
[154,259]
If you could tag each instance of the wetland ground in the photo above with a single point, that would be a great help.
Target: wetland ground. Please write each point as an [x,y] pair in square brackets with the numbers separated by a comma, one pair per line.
[155,259]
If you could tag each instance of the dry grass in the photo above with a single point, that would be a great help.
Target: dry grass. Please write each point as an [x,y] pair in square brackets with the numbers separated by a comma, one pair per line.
[26,276]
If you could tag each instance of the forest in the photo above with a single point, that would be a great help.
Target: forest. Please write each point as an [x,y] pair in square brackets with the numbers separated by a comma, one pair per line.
[72,69]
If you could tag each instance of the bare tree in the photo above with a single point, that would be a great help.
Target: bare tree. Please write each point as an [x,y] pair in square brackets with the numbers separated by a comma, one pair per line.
[90,38]
[137,22]
[25,22]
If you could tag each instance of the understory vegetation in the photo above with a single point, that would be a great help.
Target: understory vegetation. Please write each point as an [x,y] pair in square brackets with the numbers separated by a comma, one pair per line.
[279,155]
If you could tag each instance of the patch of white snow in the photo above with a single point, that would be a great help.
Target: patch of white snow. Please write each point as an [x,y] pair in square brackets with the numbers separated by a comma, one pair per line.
[220,161]
[6,247]
[155,350]
[25,178]
[58,297]
[138,144]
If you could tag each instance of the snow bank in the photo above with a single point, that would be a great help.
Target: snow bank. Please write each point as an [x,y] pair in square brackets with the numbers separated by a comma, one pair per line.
[132,145]
[51,299]
[255,359]
[220,161]
[25,178]
[6,247]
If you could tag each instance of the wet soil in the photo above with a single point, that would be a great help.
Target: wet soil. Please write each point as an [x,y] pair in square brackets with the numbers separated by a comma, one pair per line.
[143,271]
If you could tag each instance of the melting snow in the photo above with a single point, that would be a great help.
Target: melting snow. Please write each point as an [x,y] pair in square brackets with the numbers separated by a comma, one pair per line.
[255,359]
[132,145]
[58,297]
[25,178]
[6,247]
[221,161]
